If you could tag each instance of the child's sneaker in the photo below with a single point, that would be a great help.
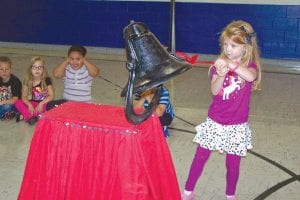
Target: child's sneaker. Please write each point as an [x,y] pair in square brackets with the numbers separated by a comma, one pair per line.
[33,120]
[19,117]
[8,115]
[231,197]
[166,131]
[186,195]
[2,117]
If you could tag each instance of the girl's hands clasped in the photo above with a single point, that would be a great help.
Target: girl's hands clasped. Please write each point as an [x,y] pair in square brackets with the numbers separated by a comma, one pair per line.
[221,67]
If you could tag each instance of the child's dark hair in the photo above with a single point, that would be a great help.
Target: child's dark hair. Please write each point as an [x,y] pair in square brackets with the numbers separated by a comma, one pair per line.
[5,60]
[78,48]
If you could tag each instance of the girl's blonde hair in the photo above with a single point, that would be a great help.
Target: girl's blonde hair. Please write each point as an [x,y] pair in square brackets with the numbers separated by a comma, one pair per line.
[242,32]
[28,81]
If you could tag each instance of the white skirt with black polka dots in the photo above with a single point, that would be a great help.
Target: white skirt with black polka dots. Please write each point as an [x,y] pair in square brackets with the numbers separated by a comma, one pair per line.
[233,139]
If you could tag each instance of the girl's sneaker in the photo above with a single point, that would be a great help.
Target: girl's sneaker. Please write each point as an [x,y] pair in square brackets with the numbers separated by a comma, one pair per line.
[186,196]
[33,120]
[231,197]
[19,117]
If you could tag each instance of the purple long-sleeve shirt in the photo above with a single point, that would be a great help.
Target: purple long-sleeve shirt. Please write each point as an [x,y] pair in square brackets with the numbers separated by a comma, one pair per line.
[231,105]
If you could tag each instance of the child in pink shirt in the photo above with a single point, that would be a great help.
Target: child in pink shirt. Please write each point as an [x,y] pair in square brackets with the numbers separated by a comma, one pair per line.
[235,73]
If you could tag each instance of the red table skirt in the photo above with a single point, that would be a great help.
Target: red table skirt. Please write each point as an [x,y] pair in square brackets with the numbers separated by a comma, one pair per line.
[90,152]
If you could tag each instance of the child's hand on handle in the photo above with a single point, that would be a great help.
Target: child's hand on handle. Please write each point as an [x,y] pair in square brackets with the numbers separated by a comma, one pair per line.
[221,67]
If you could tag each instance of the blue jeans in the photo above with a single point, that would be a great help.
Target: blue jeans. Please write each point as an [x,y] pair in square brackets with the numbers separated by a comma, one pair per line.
[5,108]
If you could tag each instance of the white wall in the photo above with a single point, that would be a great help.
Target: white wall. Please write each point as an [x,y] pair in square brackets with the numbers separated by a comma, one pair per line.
[269,2]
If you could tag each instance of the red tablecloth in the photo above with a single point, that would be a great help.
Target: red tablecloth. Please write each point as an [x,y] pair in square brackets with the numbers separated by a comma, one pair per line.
[90,152]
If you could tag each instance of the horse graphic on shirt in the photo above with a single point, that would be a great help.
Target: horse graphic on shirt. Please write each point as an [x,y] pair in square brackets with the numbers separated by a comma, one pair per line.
[233,85]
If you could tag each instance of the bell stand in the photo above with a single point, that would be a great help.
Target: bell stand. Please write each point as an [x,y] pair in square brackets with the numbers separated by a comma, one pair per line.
[172,44]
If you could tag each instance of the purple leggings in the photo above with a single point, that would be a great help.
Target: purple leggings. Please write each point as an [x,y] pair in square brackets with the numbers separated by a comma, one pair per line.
[201,156]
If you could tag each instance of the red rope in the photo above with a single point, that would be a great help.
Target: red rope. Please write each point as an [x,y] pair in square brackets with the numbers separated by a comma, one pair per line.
[193,59]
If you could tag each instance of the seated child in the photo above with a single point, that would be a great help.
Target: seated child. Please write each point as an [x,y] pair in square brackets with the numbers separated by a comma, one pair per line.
[37,92]
[164,108]
[77,74]
[10,89]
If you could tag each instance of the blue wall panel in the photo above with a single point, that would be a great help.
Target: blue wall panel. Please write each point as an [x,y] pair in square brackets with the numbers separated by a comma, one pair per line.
[101,23]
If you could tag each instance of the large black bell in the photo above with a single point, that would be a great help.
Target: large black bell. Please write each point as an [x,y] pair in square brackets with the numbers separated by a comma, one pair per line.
[149,65]
[154,64]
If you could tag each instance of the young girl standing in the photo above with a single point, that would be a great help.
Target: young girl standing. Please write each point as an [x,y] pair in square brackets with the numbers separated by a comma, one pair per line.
[235,73]
[36,93]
